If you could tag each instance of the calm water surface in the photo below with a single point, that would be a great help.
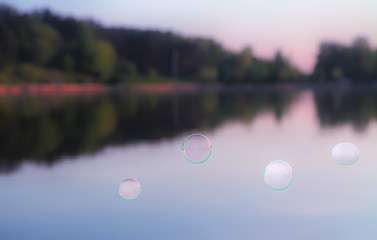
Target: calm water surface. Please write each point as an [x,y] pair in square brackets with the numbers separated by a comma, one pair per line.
[62,160]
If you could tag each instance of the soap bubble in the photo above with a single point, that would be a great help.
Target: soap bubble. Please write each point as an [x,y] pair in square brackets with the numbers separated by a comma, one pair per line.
[345,153]
[129,189]
[278,175]
[197,148]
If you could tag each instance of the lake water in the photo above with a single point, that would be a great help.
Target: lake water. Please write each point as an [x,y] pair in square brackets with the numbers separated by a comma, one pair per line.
[62,160]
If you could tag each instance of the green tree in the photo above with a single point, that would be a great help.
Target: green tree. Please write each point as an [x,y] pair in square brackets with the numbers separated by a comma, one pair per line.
[44,43]
[356,62]
[92,56]
[361,65]
[233,68]
[257,71]
[105,59]
[282,70]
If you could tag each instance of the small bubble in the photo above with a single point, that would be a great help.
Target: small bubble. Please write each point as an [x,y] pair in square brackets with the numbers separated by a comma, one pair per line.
[129,189]
[278,175]
[345,153]
[197,148]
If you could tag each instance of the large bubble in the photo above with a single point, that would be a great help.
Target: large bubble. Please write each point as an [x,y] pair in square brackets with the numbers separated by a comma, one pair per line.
[345,153]
[278,175]
[197,148]
[129,189]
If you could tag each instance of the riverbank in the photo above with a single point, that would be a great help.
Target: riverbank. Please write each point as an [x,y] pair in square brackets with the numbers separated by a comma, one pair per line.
[77,89]
[93,89]
[46,89]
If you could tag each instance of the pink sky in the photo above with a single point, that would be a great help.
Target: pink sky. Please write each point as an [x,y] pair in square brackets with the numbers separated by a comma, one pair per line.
[293,26]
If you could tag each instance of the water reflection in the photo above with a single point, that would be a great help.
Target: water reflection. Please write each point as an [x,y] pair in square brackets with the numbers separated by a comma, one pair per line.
[335,107]
[44,129]
[225,198]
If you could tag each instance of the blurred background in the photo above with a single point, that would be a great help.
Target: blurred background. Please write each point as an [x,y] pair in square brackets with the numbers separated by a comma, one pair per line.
[95,92]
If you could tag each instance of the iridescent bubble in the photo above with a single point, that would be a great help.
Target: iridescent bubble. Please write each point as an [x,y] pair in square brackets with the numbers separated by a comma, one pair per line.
[197,148]
[129,189]
[345,153]
[278,175]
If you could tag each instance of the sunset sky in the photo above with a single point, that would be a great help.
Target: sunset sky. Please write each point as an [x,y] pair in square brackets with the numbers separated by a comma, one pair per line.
[295,27]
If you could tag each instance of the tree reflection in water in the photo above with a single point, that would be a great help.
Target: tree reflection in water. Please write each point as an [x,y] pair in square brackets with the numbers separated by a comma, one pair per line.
[43,129]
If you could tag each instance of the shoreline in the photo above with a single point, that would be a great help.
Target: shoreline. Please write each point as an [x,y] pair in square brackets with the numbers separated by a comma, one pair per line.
[94,89]
[47,89]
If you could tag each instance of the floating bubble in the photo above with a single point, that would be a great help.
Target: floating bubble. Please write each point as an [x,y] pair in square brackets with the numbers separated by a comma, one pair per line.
[129,189]
[197,148]
[278,175]
[345,153]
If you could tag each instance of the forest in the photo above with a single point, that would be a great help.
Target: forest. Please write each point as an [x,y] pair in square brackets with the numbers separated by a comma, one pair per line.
[44,47]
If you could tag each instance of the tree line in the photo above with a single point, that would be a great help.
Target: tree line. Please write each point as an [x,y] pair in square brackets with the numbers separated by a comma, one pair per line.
[44,47]
[337,62]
